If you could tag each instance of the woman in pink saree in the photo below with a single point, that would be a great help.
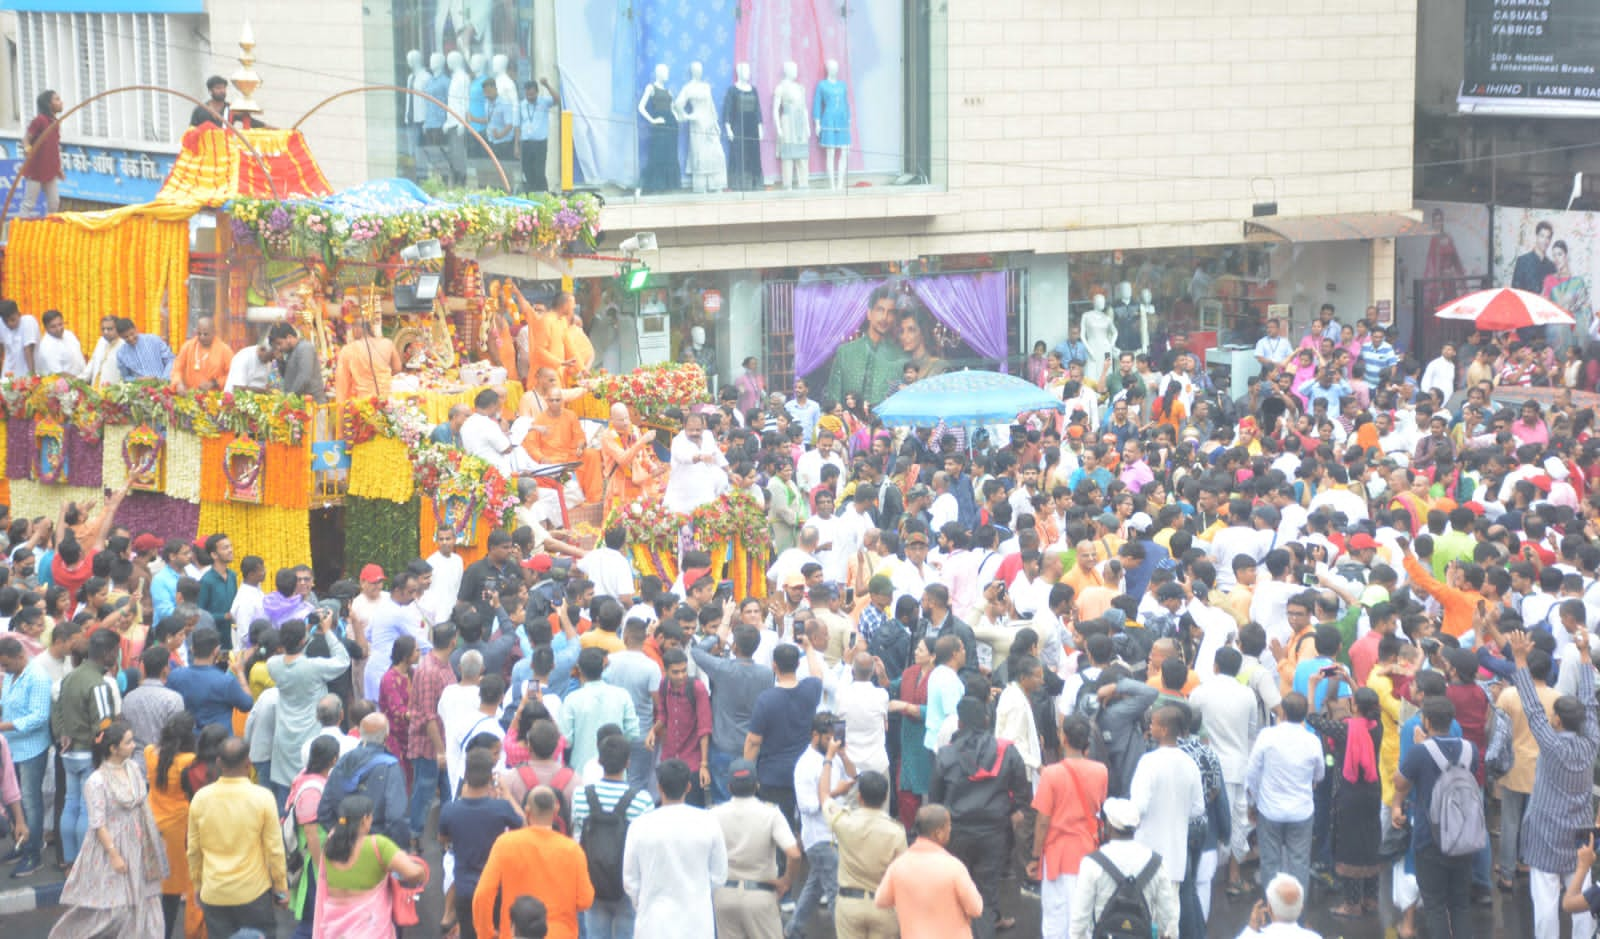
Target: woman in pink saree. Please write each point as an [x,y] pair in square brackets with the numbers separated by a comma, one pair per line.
[353,899]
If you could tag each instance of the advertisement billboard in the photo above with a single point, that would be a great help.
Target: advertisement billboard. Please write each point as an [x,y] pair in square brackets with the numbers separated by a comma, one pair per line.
[1532,57]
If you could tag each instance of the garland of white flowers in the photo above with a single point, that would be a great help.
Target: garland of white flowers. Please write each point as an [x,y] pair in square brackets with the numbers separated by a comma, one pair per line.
[183,462]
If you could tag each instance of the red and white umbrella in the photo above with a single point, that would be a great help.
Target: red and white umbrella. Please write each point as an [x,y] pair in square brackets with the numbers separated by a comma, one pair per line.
[1505,308]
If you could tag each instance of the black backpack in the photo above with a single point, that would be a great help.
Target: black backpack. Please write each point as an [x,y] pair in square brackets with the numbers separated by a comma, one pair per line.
[1126,915]
[604,836]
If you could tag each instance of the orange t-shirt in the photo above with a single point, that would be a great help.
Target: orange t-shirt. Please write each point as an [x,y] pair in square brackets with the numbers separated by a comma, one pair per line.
[1070,794]
[194,366]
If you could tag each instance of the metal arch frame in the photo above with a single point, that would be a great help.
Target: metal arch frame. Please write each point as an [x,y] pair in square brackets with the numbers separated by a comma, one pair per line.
[504,179]
[5,208]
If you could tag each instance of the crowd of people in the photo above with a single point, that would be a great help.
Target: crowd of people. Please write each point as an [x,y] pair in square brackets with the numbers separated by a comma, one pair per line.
[1157,647]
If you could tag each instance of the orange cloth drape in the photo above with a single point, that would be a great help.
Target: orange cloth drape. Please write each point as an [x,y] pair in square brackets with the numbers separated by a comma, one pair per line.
[469,552]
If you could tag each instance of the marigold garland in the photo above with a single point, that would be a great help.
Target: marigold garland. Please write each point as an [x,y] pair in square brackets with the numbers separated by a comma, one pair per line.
[286,476]
[280,537]
[213,482]
[381,469]
[128,268]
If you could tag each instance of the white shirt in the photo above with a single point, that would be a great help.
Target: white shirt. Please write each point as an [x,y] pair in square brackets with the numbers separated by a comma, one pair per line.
[944,510]
[1014,721]
[1229,711]
[440,600]
[1030,596]
[864,708]
[15,342]
[1273,349]
[675,856]
[808,470]
[1096,886]
[807,772]
[910,582]
[1229,543]
[692,482]
[62,356]
[1269,606]
[345,741]
[102,367]
[458,712]
[1279,931]
[833,561]
[249,605]
[790,561]
[482,437]
[610,571]
[1168,791]
[248,371]
[1440,376]
[1340,499]
[1285,765]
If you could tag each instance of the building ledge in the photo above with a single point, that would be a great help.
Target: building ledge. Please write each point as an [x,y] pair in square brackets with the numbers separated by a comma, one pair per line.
[732,210]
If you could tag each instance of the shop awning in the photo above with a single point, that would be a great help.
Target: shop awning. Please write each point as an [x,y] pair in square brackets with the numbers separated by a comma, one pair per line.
[1350,226]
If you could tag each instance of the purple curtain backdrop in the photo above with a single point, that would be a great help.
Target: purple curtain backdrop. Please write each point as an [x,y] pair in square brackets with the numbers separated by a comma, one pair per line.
[83,459]
[826,313]
[162,515]
[19,449]
[974,305]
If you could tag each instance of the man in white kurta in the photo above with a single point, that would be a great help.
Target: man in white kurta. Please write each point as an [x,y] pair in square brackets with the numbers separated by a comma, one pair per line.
[699,469]
[1168,792]
[674,858]
[482,437]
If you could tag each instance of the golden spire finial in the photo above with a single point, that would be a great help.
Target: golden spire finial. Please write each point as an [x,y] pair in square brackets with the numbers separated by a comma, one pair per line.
[245,78]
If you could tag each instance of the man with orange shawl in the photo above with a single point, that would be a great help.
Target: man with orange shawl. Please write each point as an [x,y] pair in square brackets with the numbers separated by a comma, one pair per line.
[557,437]
[576,349]
[203,361]
[365,367]
[545,336]
[632,470]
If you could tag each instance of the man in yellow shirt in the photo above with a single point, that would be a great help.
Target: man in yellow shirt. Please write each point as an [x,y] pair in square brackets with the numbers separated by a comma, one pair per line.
[365,366]
[203,361]
[236,860]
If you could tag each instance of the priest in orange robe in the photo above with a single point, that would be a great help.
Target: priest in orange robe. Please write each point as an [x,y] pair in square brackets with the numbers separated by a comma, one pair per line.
[203,361]
[546,337]
[557,437]
[577,350]
[365,367]
[631,469]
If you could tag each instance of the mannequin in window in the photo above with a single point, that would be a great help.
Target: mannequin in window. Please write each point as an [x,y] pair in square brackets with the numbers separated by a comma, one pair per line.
[477,102]
[661,172]
[434,119]
[741,119]
[794,129]
[473,21]
[708,164]
[1099,331]
[1129,337]
[460,102]
[503,82]
[831,109]
[415,107]
[1152,336]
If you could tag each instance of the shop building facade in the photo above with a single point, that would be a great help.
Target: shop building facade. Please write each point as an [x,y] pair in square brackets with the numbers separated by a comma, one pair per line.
[1232,156]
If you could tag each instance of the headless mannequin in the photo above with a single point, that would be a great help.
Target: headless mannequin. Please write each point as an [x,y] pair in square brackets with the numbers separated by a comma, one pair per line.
[831,109]
[460,101]
[1147,312]
[504,85]
[476,64]
[661,159]
[1098,330]
[418,81]
[741,120]
[794,128]
[708,164]
[1129,336]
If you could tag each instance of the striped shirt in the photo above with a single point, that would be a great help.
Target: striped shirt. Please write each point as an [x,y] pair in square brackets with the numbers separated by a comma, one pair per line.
[607,792]
[1562,801]
[148,357]
[1374,359]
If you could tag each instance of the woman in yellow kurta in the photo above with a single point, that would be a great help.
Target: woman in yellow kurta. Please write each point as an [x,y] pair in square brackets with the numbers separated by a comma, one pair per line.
[167,764]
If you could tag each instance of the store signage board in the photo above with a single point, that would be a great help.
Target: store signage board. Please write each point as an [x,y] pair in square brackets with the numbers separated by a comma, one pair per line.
[104,174]
[8,172]
[1531,57]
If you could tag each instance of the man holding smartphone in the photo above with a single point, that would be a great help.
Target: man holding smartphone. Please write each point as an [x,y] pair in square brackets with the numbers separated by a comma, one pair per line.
[816,839]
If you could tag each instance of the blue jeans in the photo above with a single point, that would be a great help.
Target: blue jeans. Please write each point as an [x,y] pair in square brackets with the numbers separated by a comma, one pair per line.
[822,880]
[609,919]
[425,778]
[642,768]
[721,760]
[30,779]
[74,814]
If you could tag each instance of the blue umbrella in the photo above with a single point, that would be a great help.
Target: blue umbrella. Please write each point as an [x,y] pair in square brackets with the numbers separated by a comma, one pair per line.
[965,398]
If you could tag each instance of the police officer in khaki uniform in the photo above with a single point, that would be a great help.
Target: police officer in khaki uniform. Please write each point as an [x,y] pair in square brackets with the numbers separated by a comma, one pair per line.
[755,831]
[868,840]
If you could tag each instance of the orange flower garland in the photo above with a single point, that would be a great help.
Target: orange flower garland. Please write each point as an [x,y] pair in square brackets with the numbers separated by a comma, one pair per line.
[286,478]
[280,537]
[88,270]
[213,482]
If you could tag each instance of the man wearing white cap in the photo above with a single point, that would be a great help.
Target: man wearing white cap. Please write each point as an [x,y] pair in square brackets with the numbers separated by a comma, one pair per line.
[1120,857]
